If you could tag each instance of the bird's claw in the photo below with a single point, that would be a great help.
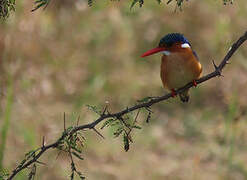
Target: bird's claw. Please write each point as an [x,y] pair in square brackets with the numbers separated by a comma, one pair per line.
[174,93]
[194,83]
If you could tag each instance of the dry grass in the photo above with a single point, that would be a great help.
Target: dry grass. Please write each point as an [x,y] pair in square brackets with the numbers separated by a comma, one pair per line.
[70,55]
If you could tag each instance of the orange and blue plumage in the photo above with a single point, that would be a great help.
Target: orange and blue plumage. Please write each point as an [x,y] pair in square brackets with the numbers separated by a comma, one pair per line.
[179,64]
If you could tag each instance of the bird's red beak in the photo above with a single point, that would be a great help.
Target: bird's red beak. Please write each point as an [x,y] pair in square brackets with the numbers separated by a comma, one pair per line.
[153,51]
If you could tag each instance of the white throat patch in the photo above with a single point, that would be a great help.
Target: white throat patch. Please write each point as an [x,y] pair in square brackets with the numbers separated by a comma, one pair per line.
[167,53]
[185,45]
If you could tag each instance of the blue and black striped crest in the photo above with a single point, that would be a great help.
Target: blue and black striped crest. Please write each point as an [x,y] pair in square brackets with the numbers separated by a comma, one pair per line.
[172,38]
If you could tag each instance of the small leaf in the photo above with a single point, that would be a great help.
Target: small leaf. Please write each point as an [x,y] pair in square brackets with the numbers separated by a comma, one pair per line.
[133,3]
[76,149]
[82,177]
[146,99]
[137,127]
[22,162]
[115,123]
[126,142]
[90,3]
[159,1]
[77,155]
[30,153]
[148,117]
[39,5]
[118,132]
[169,1]
[38,1]
[94,109]
[4,173]
[107,123]
[72,175]
[141,2]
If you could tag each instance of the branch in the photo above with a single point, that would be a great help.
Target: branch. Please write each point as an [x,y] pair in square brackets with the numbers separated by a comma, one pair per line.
[106,115]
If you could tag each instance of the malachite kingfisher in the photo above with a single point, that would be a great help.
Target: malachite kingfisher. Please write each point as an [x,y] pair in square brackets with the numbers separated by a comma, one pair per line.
[179,64]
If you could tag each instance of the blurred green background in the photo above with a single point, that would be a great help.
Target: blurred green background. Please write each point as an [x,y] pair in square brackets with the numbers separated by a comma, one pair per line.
[71,55]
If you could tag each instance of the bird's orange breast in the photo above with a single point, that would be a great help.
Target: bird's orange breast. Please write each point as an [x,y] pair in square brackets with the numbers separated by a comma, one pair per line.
[179,68]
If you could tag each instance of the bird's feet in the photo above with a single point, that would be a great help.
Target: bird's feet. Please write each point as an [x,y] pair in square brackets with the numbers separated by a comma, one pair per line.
[174,93]
[194,83]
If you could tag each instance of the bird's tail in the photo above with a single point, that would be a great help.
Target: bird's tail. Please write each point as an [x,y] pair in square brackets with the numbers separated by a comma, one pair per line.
[184,96]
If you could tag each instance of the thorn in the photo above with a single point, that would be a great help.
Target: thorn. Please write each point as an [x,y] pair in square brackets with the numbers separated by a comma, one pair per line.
[217,69]
[105,109]
[43,142]
[122,120]
[78,119]
[108,112]
[58,154]
[39,162]
[98,132]
[130,138]
[169,1]
[174,93]
[149,109]
[64,126]
[194,83]
[82,137]
[137,116]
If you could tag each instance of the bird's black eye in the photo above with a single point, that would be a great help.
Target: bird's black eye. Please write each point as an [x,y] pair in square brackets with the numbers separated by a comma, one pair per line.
[161,44]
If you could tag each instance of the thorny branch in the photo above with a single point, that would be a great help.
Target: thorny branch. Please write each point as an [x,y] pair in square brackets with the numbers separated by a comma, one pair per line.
[106,115]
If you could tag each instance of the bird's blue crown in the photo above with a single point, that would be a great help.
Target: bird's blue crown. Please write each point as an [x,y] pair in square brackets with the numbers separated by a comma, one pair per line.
[172,38]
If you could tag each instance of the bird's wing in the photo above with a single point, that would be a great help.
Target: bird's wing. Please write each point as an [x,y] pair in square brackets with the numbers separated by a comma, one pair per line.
[195,55]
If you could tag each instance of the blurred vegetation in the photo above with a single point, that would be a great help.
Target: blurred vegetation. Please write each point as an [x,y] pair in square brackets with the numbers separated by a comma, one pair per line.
[71,55]
[6,122]
[6,6]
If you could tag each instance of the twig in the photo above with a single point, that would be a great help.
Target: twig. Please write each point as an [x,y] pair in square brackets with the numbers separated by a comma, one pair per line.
[215,73]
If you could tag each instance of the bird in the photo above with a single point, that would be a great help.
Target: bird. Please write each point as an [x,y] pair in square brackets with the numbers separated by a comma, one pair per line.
[179,63]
